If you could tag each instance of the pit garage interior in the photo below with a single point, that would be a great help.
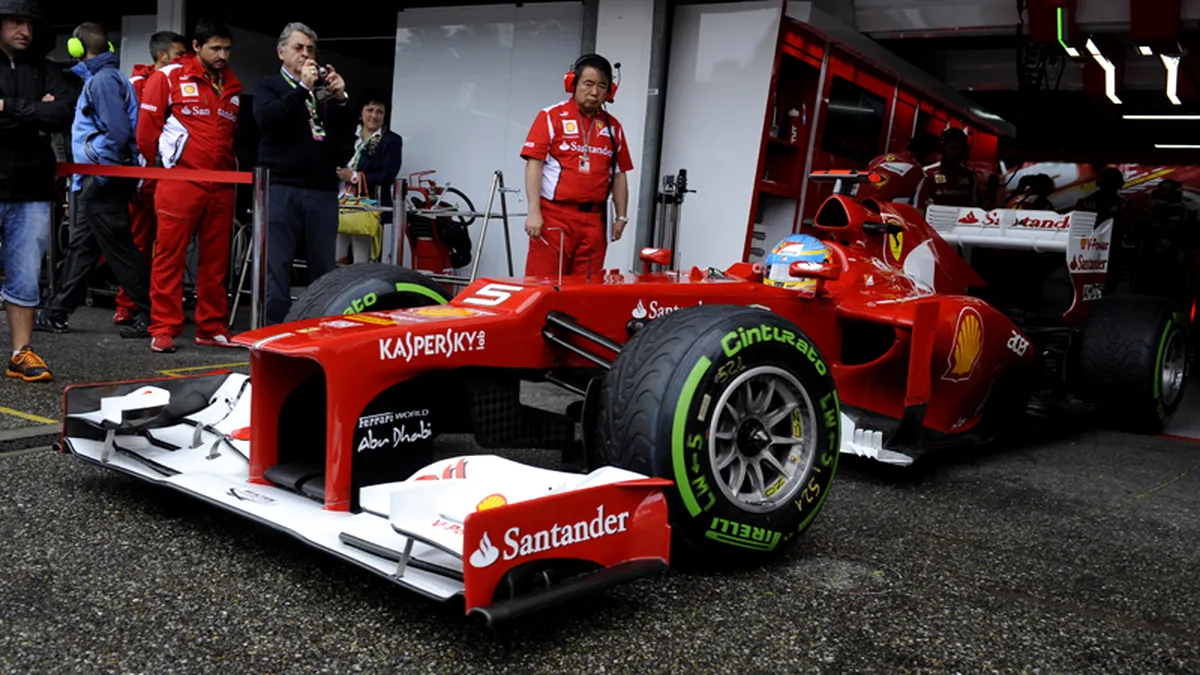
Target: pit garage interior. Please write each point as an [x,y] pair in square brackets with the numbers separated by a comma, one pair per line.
[1070,550]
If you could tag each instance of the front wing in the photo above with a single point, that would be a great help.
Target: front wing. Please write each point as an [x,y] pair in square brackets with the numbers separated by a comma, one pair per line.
[480,527]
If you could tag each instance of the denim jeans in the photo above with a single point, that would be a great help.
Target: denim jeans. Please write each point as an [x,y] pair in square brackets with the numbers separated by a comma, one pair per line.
[24,235]
[295,214]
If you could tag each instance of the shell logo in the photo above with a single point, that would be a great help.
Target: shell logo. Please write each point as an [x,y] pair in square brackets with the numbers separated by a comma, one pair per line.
[443,311]
[491,502]
[968,346]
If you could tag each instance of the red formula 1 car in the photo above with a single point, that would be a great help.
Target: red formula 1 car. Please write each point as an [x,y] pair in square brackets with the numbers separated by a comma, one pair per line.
[708,418]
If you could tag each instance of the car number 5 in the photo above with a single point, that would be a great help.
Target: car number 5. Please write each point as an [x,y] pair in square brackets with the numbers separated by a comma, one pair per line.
[492,295]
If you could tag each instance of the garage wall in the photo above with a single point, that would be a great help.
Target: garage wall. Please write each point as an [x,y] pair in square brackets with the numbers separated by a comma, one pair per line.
[134,46]
[722,56]
[623,32]
[468,83]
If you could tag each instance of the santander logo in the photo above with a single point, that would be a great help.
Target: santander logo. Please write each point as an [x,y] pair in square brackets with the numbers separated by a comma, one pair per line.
[654,311]
[518,543]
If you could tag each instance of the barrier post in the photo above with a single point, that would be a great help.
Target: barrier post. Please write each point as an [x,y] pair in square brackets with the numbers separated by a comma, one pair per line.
[258,284]
[395,236]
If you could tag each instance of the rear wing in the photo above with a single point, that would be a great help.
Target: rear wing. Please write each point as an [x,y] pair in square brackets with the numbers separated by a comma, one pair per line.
[1076,234]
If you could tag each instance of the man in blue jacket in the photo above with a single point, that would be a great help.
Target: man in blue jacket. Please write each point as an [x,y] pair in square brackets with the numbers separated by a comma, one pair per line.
[104,132]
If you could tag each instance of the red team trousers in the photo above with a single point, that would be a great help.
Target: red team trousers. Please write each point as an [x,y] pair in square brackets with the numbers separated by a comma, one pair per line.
[584,236]
[184,207]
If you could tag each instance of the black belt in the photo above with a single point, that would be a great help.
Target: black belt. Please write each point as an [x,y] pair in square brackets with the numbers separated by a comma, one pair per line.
[585,207]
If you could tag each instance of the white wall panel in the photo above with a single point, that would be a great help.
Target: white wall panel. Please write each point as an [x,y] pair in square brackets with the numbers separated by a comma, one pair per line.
[134,46]
[722,56]
[469,82]
[623,32]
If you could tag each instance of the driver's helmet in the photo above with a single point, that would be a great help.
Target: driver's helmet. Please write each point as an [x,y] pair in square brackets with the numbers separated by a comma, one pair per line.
[798,247]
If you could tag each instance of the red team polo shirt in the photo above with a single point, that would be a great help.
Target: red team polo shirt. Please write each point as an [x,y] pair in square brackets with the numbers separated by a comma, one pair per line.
[560,137]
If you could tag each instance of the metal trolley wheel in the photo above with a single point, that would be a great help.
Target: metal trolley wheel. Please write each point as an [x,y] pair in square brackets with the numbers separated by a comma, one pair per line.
[760,440]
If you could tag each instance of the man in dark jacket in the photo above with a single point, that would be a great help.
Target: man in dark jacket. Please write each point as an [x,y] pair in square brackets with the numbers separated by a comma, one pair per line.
[302,115]
[104,132]
[34,105]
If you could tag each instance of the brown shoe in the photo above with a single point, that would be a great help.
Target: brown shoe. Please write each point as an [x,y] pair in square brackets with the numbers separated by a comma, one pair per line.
[29,366]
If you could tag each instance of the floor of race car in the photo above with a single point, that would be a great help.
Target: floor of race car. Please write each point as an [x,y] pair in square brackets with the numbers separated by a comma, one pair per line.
[1069,554]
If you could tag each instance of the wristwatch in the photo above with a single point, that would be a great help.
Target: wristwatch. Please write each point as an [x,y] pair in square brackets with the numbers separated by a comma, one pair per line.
[622,219]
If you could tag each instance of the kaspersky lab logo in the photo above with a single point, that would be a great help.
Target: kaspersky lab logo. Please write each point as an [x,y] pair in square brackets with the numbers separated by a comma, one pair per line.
[518,544]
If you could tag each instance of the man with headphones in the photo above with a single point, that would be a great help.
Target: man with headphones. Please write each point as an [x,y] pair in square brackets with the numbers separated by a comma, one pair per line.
[575,157]
[104,132]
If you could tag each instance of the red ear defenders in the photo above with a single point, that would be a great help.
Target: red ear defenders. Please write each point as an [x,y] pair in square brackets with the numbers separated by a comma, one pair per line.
[598,62]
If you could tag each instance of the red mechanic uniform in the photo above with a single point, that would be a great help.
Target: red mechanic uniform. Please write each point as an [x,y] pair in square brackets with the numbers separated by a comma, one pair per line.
[949,186]
[187,121]
[141,211]
[902,174]
[578,156]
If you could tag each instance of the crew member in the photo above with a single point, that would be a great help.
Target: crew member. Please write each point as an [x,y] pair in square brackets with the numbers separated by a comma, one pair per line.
[188,117]
[103,133]
[950,182]
[576,155]
[902,172]
[165,47]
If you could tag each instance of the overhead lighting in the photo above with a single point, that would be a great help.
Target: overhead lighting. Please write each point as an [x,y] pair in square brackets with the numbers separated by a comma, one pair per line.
[1110,72]
[1161,117]
[1172,146]
[1172,65]
[1146,51]
[1062,35]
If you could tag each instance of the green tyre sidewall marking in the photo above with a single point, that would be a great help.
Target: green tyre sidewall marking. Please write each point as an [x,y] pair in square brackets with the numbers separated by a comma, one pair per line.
[359,304]
[707,514]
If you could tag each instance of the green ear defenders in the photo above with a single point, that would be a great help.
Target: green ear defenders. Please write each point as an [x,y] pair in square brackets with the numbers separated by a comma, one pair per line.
[76,49]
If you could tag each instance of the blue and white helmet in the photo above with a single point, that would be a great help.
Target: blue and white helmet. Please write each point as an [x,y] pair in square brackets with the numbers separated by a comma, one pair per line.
[798,247]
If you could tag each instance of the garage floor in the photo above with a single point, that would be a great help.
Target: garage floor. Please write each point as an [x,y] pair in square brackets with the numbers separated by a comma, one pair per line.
[1070,554]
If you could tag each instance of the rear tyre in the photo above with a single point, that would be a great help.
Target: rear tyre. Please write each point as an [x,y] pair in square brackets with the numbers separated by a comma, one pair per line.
[367,287]
[738,408]
[1133,357]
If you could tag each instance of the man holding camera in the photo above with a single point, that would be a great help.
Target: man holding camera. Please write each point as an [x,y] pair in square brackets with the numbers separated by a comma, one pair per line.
[301,112]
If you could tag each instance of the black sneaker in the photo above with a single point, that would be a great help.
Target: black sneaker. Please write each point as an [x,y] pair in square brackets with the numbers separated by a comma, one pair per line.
[44,324]
[140,328]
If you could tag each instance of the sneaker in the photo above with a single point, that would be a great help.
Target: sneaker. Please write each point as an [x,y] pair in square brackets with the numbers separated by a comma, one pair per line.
[42,323]
[29,366]
[216,341]
[140,328]
[124,316]
[162,343]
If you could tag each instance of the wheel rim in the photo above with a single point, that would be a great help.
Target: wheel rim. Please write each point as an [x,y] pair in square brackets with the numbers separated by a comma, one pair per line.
[1174,363]
[761,443]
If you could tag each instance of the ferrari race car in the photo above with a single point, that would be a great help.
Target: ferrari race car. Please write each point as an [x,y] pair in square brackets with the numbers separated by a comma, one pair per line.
[707,416]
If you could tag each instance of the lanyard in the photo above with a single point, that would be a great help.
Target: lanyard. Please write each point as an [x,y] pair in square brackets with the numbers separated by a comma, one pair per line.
[587,134]
[310,102]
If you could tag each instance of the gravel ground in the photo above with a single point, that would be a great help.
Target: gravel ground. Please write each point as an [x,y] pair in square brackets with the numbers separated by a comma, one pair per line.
[1075,554]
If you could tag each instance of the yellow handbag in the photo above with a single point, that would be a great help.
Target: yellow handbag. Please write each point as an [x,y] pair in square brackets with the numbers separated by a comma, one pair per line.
[354,221]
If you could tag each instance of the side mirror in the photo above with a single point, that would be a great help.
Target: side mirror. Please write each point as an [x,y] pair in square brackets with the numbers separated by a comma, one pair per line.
[809,270]
[821,272]
[654,256]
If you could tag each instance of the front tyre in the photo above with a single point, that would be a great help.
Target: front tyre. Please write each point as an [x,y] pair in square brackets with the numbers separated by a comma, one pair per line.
[738,408]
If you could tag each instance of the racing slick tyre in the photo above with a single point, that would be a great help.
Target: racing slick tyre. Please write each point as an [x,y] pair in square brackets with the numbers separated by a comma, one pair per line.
[367,287]
[739,409]
[1133,356]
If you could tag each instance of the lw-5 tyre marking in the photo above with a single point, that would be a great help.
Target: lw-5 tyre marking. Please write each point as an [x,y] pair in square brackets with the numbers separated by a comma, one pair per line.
[692,488]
